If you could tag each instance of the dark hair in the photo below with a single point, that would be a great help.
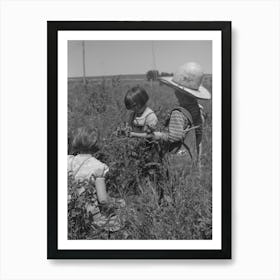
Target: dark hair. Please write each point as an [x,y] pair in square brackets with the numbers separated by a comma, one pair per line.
[85,140]
[136,96]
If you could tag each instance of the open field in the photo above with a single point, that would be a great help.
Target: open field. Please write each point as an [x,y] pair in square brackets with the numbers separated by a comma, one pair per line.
[135,175]
[123,77]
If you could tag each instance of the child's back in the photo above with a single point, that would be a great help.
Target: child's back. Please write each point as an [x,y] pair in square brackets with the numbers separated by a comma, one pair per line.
[86,167]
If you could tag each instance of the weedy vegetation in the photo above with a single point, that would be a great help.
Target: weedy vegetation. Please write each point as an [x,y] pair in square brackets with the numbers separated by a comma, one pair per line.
[161,202]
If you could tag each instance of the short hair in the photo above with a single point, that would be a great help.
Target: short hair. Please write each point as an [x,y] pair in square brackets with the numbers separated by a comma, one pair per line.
[85,140]
[136,96]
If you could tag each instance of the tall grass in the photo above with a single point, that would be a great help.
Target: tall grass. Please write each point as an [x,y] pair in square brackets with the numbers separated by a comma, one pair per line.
[161,201]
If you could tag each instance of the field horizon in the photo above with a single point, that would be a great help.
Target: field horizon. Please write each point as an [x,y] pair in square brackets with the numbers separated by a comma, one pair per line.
[121,76]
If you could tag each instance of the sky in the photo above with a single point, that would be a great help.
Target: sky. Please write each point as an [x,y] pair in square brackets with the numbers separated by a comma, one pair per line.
[136,57]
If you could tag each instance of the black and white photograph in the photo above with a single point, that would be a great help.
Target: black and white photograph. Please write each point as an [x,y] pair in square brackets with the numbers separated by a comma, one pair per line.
[136,109]
[140,140]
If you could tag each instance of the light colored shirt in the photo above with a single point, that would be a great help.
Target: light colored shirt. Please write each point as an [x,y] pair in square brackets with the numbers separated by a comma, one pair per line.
[147,121]
[86,167]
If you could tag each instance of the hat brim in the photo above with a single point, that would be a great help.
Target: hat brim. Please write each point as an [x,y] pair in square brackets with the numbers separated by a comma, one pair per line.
[201,93]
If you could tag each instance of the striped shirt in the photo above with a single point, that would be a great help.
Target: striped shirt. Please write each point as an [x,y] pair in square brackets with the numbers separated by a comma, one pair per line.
[178,123]
[176,126]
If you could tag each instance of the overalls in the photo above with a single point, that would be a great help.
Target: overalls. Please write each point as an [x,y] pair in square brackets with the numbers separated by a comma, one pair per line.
[182,156]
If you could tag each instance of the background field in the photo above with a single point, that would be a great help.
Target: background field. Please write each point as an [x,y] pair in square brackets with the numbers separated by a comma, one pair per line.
[135,175]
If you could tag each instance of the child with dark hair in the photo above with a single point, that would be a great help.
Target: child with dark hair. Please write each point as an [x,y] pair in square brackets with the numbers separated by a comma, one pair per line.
[142,123]
[89,175]
[142,118]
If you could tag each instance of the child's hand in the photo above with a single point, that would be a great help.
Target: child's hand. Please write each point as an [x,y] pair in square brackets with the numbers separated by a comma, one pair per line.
[159,135]
[149,128]
[150,136]
[123,131]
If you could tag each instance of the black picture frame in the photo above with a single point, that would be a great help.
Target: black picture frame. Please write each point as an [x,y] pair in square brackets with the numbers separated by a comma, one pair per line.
[53,27]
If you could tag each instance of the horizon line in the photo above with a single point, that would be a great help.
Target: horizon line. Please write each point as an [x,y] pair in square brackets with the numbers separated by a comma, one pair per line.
[114,75]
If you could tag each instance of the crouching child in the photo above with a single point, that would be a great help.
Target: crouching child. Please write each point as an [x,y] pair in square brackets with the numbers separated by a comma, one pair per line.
[88,175]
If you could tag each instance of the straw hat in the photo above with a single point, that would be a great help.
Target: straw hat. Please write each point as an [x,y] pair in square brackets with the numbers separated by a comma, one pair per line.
[188,78]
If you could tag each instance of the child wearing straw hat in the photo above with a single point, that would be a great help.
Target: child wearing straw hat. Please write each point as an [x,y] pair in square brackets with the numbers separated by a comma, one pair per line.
[184,128]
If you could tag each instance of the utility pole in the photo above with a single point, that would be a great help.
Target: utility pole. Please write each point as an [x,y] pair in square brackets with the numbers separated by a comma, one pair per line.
[84,63]
[154,78]
[154,59]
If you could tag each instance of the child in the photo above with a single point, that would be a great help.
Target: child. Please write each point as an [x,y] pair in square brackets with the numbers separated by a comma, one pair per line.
[142,118]
[143,122]
[89,174]
[185,123]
